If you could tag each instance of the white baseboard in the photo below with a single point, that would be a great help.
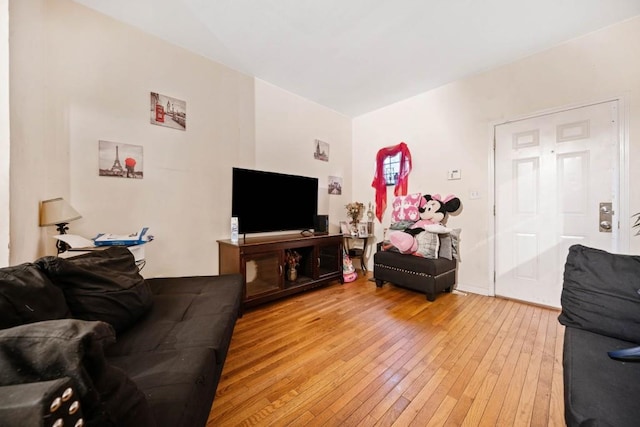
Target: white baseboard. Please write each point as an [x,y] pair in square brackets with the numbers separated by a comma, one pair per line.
[472,289]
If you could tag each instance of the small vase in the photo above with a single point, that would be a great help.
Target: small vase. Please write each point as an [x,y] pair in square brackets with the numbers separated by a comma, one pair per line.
[292,274]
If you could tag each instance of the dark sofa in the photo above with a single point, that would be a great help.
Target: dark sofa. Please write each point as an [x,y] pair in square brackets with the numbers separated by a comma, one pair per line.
[134,352]
[601,313]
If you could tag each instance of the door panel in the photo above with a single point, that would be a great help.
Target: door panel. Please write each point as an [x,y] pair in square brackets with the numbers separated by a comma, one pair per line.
[551,173]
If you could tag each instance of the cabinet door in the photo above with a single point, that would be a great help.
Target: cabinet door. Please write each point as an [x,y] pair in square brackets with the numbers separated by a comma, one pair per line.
[329,259]
[263,273]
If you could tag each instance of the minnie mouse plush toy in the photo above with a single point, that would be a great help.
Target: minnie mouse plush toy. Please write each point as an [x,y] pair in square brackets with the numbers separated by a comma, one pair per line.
[433,210]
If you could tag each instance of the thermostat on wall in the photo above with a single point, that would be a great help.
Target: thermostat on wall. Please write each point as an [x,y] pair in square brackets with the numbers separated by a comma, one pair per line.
[453,174]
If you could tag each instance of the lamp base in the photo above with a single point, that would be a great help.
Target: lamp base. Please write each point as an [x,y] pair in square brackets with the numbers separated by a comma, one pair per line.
[62,229]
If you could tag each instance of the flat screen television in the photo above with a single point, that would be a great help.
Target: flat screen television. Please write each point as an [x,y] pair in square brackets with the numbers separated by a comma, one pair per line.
[269,201]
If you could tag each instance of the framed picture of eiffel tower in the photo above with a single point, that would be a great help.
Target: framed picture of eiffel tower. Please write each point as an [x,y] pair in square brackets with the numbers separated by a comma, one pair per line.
[120,160]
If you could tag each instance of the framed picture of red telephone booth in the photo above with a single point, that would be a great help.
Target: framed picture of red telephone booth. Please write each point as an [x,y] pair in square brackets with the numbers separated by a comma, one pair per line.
[167,111]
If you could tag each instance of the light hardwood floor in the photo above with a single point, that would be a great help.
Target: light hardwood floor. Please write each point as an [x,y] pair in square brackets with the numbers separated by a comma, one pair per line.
[357,355]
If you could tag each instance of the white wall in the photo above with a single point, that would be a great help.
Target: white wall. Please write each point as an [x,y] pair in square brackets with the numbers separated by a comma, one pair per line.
[80,77]
[4,133]
[77,77]
[39,165]
[287,126]
[448,128]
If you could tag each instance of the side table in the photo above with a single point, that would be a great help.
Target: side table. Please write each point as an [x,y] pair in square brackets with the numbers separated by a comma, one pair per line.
[355,250]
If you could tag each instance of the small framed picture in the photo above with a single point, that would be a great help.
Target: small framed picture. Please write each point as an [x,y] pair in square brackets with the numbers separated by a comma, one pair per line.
[335,185]
[168,111]
[363,229]
[344,227]
[321,150]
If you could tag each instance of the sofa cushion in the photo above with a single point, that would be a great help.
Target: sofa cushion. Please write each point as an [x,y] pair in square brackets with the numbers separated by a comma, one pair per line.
[601,293]
[27,295]
[455,243]
[445,250]
[599,391]
[449,245]
[179,384]
[187,312]
[47,350]
[428,245]
[101,285]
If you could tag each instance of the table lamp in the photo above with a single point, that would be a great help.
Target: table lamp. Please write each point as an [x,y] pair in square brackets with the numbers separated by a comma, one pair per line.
[59,213]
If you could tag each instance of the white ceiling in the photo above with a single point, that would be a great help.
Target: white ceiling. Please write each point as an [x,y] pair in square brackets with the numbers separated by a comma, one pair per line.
[355,56]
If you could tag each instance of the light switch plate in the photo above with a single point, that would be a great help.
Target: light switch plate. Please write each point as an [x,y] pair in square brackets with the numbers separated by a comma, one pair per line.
[453,174]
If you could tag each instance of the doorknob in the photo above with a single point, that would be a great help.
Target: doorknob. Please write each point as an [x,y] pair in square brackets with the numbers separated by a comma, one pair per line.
[606,214]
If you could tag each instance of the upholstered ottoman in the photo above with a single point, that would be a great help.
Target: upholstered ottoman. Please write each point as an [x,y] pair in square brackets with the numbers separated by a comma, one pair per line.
[430,276]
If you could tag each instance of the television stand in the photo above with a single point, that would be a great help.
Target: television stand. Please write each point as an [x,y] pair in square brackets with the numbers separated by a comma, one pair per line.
[262,263]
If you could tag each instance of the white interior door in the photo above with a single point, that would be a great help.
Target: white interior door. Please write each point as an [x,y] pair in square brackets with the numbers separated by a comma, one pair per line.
[552,172]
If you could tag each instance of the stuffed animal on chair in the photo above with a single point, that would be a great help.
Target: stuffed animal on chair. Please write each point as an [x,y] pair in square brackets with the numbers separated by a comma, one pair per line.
[433,211]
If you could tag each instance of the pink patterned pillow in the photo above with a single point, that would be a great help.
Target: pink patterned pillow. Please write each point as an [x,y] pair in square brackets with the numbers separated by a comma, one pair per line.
[405,208]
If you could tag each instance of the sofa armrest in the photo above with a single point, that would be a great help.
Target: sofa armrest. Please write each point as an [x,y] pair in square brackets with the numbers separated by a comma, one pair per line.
[53,349]
[40,404]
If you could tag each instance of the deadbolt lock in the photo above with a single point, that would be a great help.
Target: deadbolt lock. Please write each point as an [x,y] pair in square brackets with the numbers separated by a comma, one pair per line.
[605,217]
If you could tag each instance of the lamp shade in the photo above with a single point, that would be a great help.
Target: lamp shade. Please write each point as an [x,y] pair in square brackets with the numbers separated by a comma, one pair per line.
[57,211]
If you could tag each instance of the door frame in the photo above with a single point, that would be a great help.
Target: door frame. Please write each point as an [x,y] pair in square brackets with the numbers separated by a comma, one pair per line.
[624,223]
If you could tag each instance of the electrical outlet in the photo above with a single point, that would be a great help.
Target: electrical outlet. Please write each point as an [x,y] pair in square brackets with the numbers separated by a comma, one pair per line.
[474,194]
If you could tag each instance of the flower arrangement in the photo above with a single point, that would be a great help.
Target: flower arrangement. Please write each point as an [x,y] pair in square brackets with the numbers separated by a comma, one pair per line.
[354,211]
[292,258]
